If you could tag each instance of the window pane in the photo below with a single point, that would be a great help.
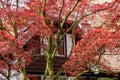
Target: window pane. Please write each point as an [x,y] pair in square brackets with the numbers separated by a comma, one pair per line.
[62,48]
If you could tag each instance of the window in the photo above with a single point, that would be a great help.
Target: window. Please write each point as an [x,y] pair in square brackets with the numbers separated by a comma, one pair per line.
[62,48]
[38,46]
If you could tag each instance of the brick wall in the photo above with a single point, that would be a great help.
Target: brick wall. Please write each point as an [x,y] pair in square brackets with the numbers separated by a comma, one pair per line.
[33,77]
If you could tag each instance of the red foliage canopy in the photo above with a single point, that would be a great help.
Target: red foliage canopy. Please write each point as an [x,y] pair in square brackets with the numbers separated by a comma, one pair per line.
[11,53]
[20,23]
[96,42]
[17,26]
[88,51]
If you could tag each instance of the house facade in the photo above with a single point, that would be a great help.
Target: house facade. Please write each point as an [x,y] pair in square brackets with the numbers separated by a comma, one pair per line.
[36,68]
[37,65]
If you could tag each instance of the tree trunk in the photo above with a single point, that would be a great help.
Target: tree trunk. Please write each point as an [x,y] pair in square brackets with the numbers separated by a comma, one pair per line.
[8,78]
[23,74]
[50,68]
[45,73]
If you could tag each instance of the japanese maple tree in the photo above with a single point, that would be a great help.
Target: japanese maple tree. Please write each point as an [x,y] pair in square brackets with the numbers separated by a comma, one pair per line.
[24,19]
[15,25]
[72,12]
[88,52]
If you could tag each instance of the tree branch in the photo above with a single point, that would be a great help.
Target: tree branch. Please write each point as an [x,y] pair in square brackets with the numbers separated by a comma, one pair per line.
[59,72]
[78,21]
[71,10]
[45,74]
[3,74]
[77,77]
[9,66]
[43,11]
[9,72]
[3,58]
[17,4]
[15,29]
[99,58]
[60,13]
[2,3]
